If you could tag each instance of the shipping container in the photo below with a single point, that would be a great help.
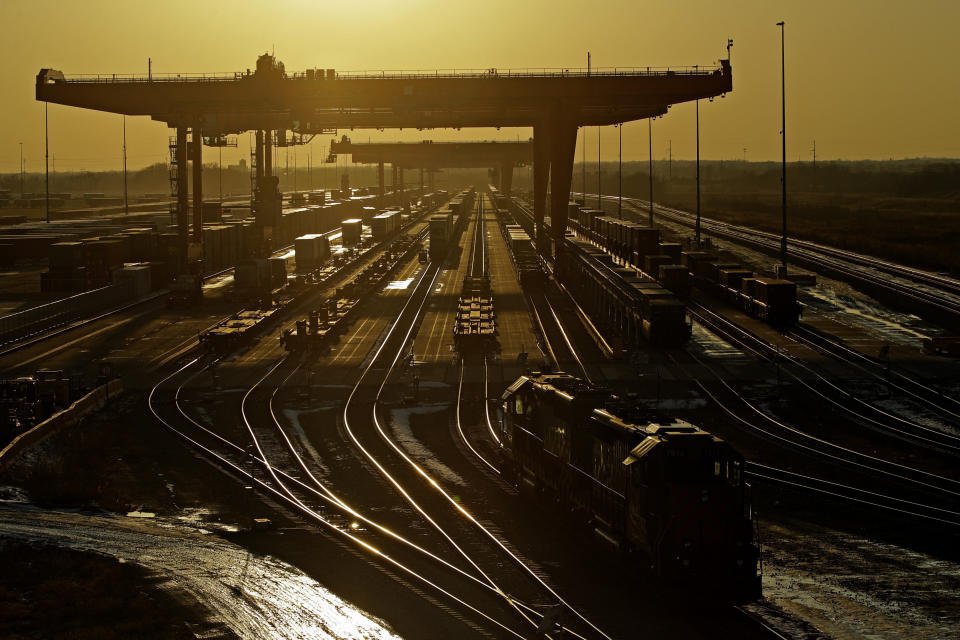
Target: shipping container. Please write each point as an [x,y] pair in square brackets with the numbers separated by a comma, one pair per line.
[311,251]
[66,255]
[352,230]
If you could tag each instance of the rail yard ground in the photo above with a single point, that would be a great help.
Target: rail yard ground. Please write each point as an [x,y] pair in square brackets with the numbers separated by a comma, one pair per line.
[834,565]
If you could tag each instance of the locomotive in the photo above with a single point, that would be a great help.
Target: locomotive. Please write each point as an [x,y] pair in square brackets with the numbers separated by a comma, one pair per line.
[671,495]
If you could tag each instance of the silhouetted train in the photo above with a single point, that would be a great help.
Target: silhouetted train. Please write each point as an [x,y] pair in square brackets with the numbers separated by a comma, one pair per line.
[640,312]
[640,247]
[670,495]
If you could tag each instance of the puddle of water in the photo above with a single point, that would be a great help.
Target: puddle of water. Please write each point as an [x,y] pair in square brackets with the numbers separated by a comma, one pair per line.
[400,285]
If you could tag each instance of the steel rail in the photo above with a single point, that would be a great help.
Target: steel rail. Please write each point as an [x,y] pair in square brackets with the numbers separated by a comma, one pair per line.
[457,506]
[373,459]
[927,436]
[844,264]
[459,423]
[282,495]
[478,240]
[848,492]
[805,448]
[808,248]
[843,353]
[822,448]
[326,494]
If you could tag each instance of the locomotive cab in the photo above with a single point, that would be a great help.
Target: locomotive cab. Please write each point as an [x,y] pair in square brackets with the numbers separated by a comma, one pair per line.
[688,510]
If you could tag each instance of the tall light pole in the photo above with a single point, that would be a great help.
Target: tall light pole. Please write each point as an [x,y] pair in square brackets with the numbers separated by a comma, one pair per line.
[650,139]
[583,168]
[46,144]
[783,136]
[126,204]
[697,228]
[599,202]
[620,172]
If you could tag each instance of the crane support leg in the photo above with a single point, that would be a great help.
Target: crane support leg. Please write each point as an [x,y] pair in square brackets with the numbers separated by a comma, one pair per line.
[563,144]
[380,181]
[268,154]
[506,177]
[258,155]
[197,184]
[541,174]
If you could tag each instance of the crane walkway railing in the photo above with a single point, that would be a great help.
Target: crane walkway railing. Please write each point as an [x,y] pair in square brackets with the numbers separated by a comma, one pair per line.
[399,74]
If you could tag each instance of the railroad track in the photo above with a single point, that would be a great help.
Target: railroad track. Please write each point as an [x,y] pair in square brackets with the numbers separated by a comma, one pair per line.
[930,485]
[477,598]
[943,488]
[182,349]
[843,401]
[922,392]
[850,493]
[463,532]
[372,542]
[569,346]
[938,295]
[53,331]
[478,267]
[319,504]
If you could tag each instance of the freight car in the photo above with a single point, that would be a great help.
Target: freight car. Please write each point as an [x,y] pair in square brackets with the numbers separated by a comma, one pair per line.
[671,496]
[385,225]
[640,309]
[475,324]
[441,235]
[237,330]
[640,247]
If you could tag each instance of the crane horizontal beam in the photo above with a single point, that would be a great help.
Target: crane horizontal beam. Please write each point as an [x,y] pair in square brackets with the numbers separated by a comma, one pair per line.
[311,103]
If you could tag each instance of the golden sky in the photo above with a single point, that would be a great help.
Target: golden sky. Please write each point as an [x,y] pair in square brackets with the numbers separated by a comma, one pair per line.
[865,78]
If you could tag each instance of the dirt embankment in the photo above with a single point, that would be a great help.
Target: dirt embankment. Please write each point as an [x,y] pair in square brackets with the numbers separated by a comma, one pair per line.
[48,592]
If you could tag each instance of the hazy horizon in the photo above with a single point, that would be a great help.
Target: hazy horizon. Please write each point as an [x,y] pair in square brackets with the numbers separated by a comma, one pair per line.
[851,85]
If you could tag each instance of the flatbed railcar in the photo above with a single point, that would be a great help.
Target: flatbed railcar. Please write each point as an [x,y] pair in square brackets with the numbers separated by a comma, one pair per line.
[671,496]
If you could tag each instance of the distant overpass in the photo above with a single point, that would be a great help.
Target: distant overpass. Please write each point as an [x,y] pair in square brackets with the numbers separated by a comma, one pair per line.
[431,156]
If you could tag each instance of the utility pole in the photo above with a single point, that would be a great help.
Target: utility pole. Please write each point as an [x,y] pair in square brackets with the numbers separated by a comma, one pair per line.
[46,144]
[814,154]
[21,171]
[126,202]
[744,155]
[697,229]
[650,138]
[783,134]
[670,161]
[220,174]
